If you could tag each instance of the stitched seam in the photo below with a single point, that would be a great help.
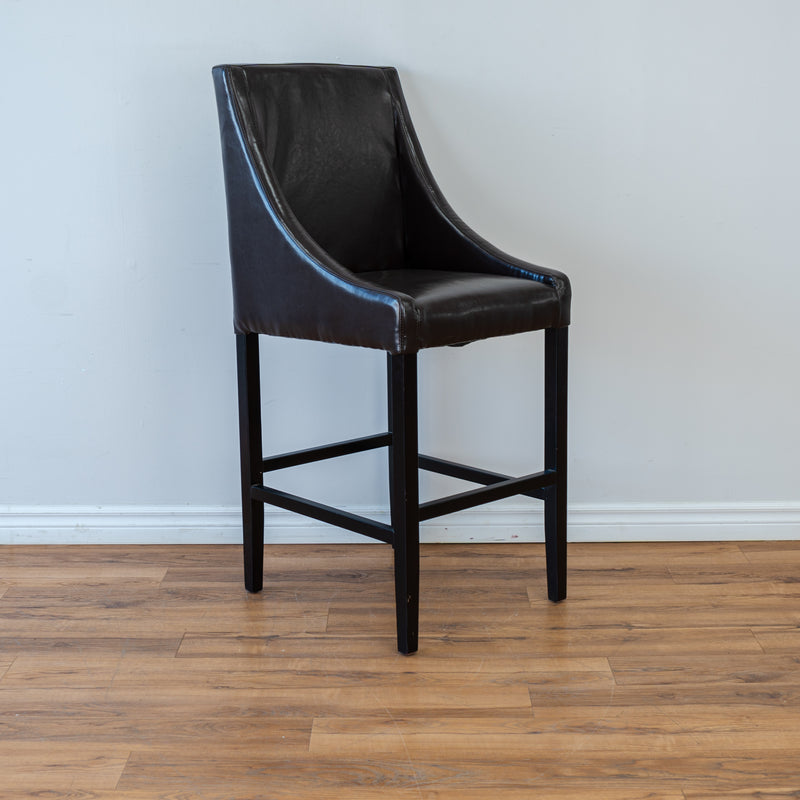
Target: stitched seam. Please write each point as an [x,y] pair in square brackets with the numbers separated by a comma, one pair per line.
[396,119]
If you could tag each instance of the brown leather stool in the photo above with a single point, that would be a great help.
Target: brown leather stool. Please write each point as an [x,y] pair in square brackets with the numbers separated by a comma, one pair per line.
[339,233]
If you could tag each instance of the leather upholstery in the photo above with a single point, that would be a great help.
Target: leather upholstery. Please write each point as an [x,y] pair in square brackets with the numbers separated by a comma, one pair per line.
[337,229]
[458,307]
[330,143]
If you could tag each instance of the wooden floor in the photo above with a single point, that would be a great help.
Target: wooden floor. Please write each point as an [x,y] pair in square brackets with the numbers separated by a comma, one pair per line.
[671,671]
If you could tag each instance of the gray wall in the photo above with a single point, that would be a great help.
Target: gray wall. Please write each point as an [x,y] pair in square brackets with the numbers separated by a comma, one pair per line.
[649,149]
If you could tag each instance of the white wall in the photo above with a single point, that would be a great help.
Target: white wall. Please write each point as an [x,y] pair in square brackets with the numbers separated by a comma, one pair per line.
[649,149]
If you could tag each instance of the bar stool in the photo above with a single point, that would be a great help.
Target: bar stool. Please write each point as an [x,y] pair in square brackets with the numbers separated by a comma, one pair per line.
[339,233]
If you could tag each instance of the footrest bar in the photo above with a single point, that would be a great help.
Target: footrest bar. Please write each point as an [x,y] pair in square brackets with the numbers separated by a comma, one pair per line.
[298,457]
[455,470]
[329,514]
[486,494]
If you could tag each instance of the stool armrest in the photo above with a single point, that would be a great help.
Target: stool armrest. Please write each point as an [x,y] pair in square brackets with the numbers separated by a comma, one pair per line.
[284,283]
[436,237]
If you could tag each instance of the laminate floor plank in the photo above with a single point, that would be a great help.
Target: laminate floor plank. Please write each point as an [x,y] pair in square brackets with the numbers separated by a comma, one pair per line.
[737,613]
[702,694]
[272,790]
[789,791]
[783,573]
[779,638]
[132,670]
[745,670]
[166,622]
[704,720]
[221,731]
[668,593]
[70,574]
[86,642]
[599,742]
[42,765]
[315,774]
[774,553]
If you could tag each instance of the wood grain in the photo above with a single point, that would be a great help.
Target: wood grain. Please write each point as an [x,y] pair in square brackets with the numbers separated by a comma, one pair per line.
[129,673]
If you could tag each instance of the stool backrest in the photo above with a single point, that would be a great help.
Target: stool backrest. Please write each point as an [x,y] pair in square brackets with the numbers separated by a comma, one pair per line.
[327,133]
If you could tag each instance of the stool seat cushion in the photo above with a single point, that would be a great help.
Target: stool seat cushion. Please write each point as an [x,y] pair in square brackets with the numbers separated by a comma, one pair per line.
[441,307]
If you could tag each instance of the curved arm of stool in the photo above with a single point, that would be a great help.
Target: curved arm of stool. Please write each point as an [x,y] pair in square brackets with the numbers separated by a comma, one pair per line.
[436,237]
[285,284]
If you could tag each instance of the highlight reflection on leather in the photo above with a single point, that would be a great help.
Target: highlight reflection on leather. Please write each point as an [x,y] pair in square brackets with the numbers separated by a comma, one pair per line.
[337,229]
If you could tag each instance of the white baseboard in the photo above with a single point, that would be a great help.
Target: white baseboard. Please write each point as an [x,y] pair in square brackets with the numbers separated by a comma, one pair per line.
[221,524]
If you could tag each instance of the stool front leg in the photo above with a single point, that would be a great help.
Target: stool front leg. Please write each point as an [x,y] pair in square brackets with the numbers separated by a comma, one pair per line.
[555,458]
[249,379]
[404,495]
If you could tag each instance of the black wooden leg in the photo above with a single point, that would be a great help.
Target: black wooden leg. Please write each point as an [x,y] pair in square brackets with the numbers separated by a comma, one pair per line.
[555,457]
[404,495]
[251,458]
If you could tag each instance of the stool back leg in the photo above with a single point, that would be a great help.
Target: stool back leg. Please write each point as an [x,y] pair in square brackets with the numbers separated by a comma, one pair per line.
[404,495]
[249,380]
[555,458]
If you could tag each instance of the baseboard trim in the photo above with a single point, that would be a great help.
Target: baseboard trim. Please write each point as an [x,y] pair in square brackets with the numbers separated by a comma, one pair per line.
[221,524]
